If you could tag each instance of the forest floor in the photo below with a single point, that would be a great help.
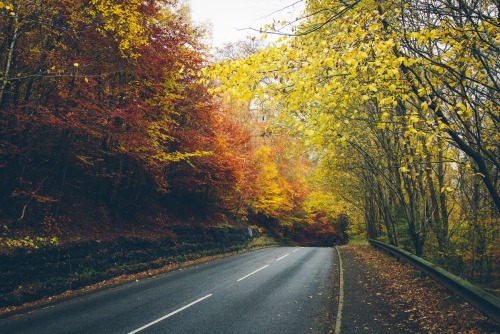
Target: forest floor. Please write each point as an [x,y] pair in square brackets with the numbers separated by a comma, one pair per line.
[385,295]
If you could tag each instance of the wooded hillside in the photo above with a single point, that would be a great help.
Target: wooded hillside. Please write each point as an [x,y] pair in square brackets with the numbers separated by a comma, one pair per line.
[105,131]
[378,117]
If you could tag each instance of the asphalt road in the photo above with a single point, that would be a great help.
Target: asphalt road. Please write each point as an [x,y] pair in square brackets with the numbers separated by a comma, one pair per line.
[275,290]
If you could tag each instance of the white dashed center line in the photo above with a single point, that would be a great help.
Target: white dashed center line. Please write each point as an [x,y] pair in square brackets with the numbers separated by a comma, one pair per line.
[253,272]
[282,257]
[169,315]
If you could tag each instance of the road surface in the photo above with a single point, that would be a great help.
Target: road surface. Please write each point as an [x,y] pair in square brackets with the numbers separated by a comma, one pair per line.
[274,290]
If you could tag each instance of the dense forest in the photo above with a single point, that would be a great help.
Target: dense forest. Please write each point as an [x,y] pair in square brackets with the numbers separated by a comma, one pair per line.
[105,131]
[376,119]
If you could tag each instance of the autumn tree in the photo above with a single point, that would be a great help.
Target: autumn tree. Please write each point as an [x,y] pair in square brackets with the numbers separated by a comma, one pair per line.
[409,89]
[95,91]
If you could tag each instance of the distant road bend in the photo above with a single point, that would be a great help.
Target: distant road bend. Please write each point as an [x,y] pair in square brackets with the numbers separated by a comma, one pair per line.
[275,290]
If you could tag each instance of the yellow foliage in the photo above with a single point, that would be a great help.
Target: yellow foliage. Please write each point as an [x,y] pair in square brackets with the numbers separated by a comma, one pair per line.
[123,20]
[274,194]
[355,87]
[28,242]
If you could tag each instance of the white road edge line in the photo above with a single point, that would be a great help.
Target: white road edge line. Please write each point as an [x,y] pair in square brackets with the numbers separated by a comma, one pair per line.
[283,257]
[169,315]
[338,320]
[253,273]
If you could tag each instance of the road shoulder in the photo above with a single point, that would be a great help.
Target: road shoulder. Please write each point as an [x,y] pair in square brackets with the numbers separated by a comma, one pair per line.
[365,310]
[383,295]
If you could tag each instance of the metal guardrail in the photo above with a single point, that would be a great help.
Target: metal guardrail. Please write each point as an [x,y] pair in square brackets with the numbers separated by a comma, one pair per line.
[485,302]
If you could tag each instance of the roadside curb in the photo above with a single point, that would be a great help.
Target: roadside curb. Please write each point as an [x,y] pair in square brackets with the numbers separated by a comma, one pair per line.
[338,318]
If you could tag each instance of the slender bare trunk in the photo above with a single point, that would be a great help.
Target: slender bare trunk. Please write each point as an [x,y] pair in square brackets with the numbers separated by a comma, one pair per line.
[10,59]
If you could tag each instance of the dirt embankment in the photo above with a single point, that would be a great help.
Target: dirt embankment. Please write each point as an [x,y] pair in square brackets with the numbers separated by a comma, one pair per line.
[28,275]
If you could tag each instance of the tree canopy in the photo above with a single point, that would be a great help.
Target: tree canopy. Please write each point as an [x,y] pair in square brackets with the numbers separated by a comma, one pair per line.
[376,118]
[400,101]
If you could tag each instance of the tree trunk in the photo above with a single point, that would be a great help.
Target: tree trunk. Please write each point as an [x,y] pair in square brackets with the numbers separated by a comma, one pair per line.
[10,60]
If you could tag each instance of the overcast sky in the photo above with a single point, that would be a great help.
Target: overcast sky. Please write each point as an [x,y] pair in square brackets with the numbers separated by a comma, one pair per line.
[229,17]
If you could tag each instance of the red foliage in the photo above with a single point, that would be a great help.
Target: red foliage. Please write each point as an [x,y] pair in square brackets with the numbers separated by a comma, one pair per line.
[319,233]
[82,118]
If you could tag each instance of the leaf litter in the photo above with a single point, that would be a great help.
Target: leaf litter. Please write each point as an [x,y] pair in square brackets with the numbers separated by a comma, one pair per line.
[424,301]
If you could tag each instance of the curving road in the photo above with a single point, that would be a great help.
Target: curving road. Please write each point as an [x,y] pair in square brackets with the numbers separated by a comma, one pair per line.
[275,290]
